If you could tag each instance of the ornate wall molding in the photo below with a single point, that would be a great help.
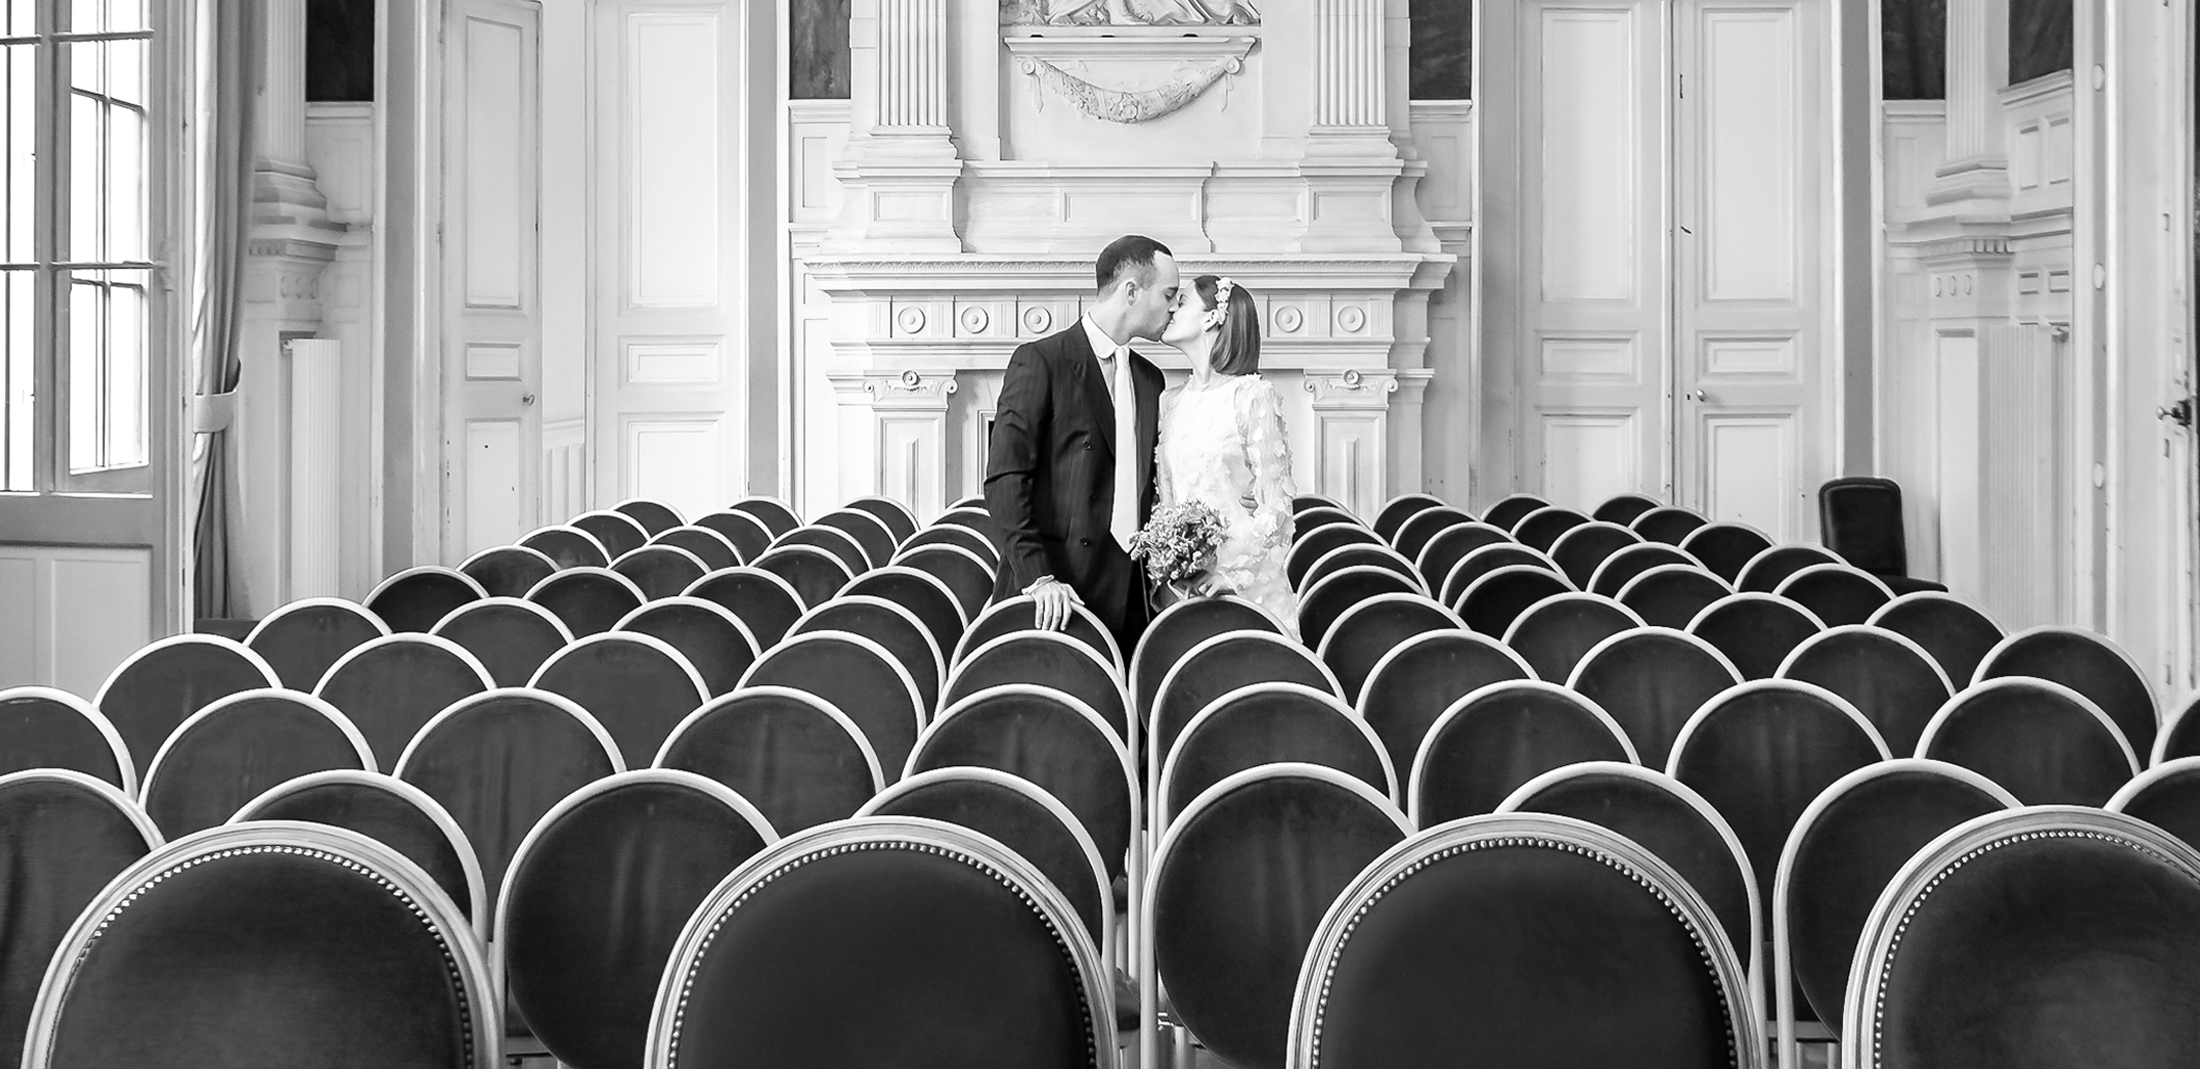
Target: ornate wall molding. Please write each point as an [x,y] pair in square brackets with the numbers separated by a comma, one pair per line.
[1187,65]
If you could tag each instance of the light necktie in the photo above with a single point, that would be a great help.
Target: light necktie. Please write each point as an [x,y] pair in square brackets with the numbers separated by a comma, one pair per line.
[1123,519]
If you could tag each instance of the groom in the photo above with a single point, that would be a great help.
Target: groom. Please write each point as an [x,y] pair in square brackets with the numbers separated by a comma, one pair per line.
[1070,476]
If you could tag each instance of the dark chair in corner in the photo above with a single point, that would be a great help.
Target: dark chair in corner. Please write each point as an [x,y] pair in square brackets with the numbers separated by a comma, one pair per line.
[1860,518]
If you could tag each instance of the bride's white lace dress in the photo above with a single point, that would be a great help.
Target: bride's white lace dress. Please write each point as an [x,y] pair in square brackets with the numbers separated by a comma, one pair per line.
[1223,443]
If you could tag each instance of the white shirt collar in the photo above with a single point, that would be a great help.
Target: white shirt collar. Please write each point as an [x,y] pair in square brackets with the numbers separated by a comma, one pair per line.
[1103,346]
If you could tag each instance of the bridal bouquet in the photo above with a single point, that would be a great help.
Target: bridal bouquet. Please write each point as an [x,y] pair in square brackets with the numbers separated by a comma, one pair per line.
[1178,542]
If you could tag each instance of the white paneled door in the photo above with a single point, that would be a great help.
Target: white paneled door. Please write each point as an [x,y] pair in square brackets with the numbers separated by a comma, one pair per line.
[1661,280]
[669,284]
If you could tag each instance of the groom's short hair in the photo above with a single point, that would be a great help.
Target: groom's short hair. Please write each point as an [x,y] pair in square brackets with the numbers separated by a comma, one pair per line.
[1131,254]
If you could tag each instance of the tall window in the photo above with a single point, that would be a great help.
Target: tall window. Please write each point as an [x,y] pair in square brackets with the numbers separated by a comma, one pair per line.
[1442,49]
[74,253]
[2041,38]
[1913,42]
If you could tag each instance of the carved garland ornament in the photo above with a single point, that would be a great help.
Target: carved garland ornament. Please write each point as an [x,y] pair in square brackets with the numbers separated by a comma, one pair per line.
[1127,105]
[1125,29]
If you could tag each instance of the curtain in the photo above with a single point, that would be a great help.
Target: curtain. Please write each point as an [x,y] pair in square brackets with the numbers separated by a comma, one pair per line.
[230,77]
[2040,38]
[1913,49]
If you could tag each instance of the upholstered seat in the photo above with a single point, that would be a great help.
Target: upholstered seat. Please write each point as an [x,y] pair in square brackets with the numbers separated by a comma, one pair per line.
[2047,743]
[1307,521]
[1623,508]
[392,686]
[269,943]
[1216,667]
[857,676]
[1422,527]
[884,941]
[660,571]
[302,639]
[2087,662]
[1312,545]
[588,601]
[1016,813]
[953,534]
[815,574]
[922,594]
[1486,745]
[167,680]
[63,836]
[1180,627]
[1521,940]
[1540,529]
[800,761]
[236,748]
[1323,602]
[1578,552]
[416,598]
[1371,629]
[1726,547]
[1668,524]
[870,532]
[1553,634]
[41,727]
[1051,739]
[1508,511]
[498,761]
[843,546]
[888,624]
[637,686]
[567,546]
[773,513]
[508,571]
[1957,633]
[1450,546]
[1020,613]
[713,549]
[1480,562]
[1627,562]
[1756,631]
[1889,678]
[1047,659]
[1652,680]
[511,638]
[1835,593]
[620,534]
[1396,511]
[599,893]
[899,521]
[966,574]
[715,641]
[1769,568]
[391,812]
[1263,724]
[1670,595]
[1421,677]
[1238,886]
[1359,555]
[1845,848]
[2058,937]
[656,517]
[749,535]
[1491,604]
[767,604]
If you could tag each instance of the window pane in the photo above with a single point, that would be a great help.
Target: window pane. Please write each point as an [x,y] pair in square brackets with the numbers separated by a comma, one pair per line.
[85,319]
[88,16]
[84,178]
[107,343]
[16,303]
[125,70]
[127,15]
[125,184]
[17,17]
[125,400]
[18,82]
[1442,52]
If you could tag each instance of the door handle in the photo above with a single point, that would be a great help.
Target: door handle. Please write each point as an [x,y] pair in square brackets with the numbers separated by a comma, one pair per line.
[2178,412]
[1698,396]
[527,400]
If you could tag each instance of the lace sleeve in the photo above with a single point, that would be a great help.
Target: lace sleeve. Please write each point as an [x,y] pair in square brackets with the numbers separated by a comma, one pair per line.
[1164,487]
[1268,457]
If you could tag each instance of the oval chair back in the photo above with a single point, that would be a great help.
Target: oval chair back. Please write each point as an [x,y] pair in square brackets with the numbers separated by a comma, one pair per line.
[1237,887]
[1047,659]
[1670,595]
[588,601]
[567,546]
[843,546]
[800,761]
[1051,739]
[1014,812]
[1668,524]
[1625,563]
[857,676]
[2056,934]
[1358,554]
[713,549]
[391,812]
[1302,502]
[656,517]
[919,592]
[41,727]
[1726,547]
[2166,796]
[620,533]
[815,574]
[871,533]
[1478,563]
[1579,551]
[508,571]
[1957,633]
[63,836]
[233,750]
[2048,744]
[1180,627]
[1509,510]
[374,960]
[1652,680]
[638,687]
[887,940]
[416,598]
[168,679]
[898,519]
[498,761]
[1844,850]
[2086,662]
[1890,678]
[1669,819]
[713,640]
[302,639]
[1019,614]
[967,575]
[1312,545]
[391,687]
[1216,667]
[955,534]
[1328,599]
[1450,546]
[1553,635]
[773,513]
[2180,737]
[1306,521]
[749,536]
[1482,748]
[1756,631]
[1579,946]
[1396,511]
[598,894]
[764,603]
[1491,604]
[660,571]
[1266,723]
[1541,528]
[1623,508]
[1836,593]
[891,626]
[1373,628]
[1421,677]
[1771,567]
[510,637]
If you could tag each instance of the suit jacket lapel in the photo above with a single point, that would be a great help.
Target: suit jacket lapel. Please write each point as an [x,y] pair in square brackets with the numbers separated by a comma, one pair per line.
[1099,399]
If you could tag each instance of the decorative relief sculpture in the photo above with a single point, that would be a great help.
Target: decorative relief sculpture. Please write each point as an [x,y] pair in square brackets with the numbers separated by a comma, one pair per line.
[1128,13]
[1051,39]
[1129,105]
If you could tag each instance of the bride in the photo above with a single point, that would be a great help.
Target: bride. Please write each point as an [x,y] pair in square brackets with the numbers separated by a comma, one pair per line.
[1222,443]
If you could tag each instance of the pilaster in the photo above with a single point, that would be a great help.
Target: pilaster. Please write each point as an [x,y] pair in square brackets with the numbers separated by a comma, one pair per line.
[1975,177]
[893,435]
[899,171]
[1352,434]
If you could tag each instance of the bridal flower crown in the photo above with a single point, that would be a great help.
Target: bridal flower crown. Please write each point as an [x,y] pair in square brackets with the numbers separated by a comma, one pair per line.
[1224,287]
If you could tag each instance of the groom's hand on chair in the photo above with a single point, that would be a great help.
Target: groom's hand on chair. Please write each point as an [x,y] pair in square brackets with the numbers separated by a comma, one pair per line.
[1053,598]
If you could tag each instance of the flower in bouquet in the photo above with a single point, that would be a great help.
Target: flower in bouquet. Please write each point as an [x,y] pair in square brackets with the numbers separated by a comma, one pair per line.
[1178,542]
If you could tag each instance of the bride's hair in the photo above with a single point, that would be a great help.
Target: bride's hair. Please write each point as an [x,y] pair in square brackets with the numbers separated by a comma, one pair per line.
[1237,352]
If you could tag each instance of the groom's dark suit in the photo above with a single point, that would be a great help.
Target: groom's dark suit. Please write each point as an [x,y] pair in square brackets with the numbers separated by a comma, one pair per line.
[1050,476]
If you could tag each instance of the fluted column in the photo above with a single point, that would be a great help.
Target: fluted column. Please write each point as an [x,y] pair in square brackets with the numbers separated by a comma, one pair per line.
[899,171]
[1349,89]
[912,56]
[1360,181]
[1977,164]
